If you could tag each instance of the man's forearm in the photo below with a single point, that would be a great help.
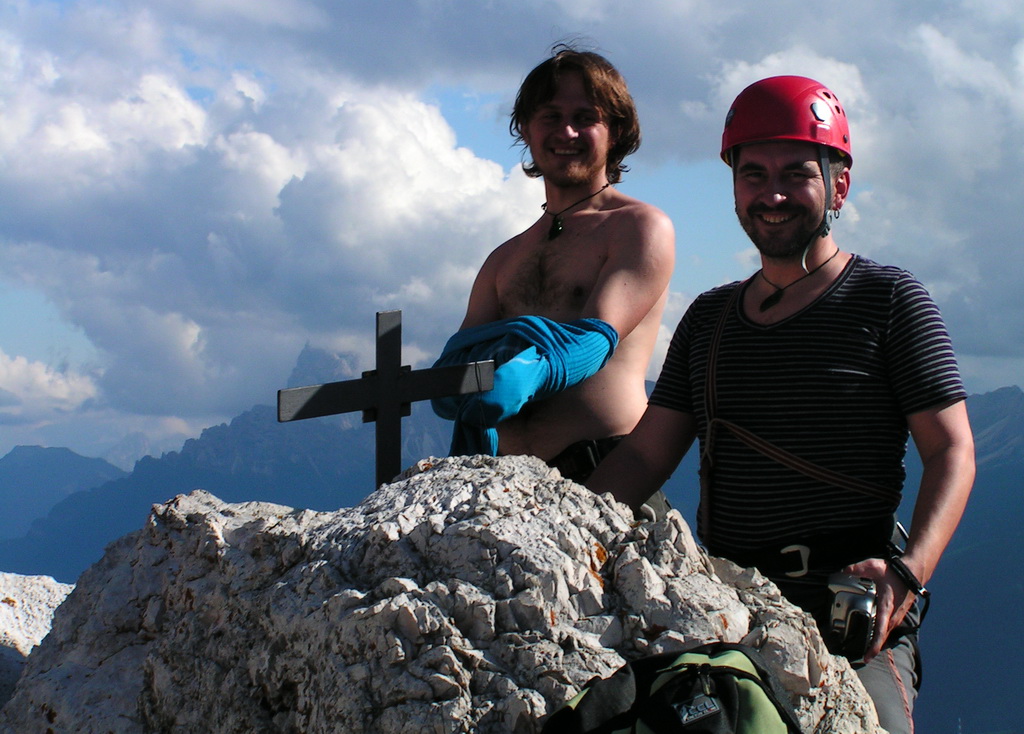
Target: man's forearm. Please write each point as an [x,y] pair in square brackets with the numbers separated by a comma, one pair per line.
[646,458]
[944,441]
[945,487]
[626,475]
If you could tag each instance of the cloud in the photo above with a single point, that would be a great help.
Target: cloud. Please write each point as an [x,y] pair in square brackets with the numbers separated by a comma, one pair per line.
[284,14]
[199,246]
[202,188]
[33,392]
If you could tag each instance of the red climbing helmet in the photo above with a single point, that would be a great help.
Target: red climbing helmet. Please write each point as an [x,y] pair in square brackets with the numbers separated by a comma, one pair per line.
[787,108]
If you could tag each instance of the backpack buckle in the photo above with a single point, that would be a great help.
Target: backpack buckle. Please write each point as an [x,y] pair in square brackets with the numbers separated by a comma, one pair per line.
[805,555]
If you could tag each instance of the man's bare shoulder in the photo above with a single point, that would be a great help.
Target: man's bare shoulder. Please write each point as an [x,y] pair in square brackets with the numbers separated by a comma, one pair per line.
[628,207]
[634,221]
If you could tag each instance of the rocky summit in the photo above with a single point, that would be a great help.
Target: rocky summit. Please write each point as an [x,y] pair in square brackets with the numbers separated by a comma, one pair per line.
[473,594]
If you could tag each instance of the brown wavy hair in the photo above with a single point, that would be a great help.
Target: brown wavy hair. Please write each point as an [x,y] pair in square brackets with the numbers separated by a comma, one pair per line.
[605,88]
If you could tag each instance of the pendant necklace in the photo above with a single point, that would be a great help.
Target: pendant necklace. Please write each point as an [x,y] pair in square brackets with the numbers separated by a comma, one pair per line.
[780,290]
[557,224]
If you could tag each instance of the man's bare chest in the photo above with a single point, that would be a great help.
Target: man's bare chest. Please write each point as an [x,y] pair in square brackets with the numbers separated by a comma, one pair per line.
[549,280]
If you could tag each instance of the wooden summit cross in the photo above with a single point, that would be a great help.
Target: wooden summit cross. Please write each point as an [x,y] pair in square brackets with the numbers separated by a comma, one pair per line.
[385,394]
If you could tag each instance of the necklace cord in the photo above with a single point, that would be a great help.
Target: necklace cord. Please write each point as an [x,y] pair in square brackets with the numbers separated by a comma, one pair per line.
[780,290]
[557,224]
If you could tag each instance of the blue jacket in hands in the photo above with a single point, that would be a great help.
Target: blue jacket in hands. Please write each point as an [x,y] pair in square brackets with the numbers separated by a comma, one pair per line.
[536,358]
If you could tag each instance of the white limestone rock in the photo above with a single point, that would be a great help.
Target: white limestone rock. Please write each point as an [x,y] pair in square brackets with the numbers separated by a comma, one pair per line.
[26,610]
[474,594]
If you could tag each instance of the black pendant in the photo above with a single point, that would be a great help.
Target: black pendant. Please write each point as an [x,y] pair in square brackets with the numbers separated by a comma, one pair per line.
[771,300]
[556,227]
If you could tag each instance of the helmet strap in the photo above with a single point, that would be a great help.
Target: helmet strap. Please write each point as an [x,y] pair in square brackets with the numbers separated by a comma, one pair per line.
[826,218]
[826,173]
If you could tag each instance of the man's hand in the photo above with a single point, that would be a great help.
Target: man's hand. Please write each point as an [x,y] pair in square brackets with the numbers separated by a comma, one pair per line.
[892,603]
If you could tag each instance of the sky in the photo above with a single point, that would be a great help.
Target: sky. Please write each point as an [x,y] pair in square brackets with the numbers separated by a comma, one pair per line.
[191,191]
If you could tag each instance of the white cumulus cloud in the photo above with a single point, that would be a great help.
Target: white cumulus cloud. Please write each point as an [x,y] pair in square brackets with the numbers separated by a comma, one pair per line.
[36,392]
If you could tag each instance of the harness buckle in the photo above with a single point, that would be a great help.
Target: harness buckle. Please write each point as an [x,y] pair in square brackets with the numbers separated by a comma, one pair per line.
[805,554]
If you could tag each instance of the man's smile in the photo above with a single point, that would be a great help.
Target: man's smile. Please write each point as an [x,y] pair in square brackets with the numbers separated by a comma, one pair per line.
[774,216]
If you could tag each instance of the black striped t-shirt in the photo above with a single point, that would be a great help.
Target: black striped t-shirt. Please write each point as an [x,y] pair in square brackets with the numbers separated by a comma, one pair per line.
[831,384]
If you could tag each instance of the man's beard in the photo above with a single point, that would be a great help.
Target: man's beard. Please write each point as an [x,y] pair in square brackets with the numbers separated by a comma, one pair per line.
[574,176]
[578,173]
[778,245]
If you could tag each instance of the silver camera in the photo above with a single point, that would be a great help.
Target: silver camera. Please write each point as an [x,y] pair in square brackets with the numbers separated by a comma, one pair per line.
[852,616]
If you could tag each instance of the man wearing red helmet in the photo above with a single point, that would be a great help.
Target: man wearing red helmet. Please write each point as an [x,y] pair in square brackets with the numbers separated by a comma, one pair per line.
[803,382]
[571,307]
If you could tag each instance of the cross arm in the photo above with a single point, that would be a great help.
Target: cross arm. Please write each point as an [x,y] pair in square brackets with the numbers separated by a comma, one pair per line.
[316,401]
[441,382]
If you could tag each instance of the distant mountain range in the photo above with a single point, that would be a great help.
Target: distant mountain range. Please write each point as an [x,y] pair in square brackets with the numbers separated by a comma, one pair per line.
[34,479]
[73,506]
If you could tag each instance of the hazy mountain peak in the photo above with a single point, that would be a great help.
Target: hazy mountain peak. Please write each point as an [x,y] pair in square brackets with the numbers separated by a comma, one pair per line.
[998,421]
[315,366]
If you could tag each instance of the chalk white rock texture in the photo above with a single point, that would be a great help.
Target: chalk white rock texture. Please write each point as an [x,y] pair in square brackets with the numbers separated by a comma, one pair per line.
[26,611]
[474,594]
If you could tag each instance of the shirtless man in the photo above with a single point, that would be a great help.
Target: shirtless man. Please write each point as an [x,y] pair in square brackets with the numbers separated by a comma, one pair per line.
[594,253]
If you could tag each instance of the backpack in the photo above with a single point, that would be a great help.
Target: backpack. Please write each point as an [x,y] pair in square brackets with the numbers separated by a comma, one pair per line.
[714,688]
